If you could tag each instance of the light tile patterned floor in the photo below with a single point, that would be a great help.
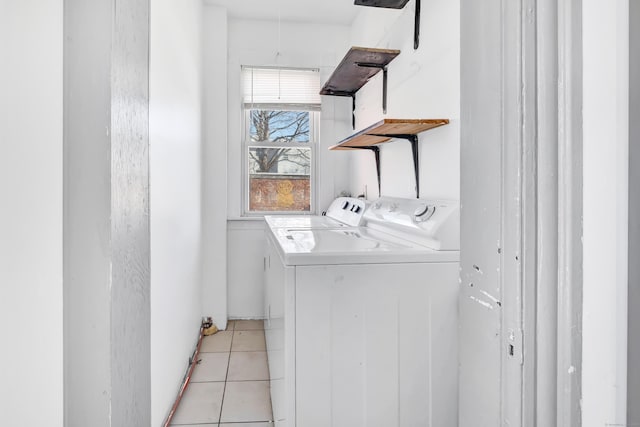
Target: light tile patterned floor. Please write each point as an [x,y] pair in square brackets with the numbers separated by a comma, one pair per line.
[230,385]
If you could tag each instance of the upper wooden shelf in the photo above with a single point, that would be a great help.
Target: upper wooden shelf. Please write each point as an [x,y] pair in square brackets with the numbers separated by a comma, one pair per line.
[397,4]
[389,4]
[386,130]
[356,68]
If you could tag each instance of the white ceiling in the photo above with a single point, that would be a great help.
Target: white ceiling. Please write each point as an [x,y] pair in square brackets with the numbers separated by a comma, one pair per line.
[317,11]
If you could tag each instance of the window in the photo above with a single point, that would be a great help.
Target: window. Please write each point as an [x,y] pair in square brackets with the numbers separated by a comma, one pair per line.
[281,118]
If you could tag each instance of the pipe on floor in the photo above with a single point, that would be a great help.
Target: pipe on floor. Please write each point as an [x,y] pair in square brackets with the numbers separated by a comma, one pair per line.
[187,379]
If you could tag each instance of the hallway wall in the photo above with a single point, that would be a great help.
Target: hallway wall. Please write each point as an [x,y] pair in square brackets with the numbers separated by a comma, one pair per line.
[31,212]
[605,207]
[633,381]
[175,138]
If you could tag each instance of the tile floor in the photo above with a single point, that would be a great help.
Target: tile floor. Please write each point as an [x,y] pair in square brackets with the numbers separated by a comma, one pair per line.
[230,385]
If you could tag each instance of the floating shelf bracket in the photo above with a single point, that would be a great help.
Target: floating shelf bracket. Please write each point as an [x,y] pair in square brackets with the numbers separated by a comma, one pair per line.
[416,27]
[376,152]
[353,110]
[413,139]
[382,67]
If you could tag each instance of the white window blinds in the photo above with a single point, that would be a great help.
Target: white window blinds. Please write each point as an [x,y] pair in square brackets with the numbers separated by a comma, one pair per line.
[281,88]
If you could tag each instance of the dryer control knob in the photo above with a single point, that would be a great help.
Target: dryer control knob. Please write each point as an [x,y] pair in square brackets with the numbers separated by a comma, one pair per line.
[423,213]
[345,205]
[421,210]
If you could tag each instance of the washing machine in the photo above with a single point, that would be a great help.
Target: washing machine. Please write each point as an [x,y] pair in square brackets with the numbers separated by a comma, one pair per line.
[342,212]
[361,320]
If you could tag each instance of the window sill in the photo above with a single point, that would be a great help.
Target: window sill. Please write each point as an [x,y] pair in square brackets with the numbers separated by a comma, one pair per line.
[245,218]
[261,216]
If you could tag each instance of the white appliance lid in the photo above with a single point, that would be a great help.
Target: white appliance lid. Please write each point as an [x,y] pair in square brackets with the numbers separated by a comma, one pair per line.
[300,221]
[351,246]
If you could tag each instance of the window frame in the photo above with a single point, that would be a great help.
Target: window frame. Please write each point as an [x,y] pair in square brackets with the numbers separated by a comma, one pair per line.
[312,145]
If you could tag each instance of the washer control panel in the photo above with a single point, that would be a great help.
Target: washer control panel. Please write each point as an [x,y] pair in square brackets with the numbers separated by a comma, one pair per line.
[434,223]
[347,210]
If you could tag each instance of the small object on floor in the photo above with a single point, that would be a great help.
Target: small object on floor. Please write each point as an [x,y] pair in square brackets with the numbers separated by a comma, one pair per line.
[210,330]
[207,322]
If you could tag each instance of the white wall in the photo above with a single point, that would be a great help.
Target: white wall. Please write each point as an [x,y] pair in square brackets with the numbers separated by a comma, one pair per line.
[87,211]
[245,293]
[606,85]
[175,183]
[633,375]
[106,214]
[479,335]
[214,267]
[423,83]
[31,212]
[299,45]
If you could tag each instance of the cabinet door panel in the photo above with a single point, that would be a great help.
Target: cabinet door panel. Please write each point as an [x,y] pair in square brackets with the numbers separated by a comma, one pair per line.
[376,345]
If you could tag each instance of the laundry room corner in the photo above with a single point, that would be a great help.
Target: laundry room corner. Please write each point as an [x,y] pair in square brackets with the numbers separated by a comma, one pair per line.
[282,43]
[214,165]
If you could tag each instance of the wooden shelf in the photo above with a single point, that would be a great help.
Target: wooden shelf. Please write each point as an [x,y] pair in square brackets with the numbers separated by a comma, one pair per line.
[397,4]
[389,4]
[386,130]
[358,66]
[355,70]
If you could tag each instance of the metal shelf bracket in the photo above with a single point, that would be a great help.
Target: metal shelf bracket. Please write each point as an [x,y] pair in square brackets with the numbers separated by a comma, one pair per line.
[353,111]
[376,152]
[384,81]
[413,139]
[416,28]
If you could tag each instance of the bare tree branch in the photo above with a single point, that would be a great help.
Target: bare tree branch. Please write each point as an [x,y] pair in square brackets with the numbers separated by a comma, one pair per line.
[279,126]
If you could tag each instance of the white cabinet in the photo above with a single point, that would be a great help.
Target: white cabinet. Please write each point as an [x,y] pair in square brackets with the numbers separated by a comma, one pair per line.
[279,334]
[363,344]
